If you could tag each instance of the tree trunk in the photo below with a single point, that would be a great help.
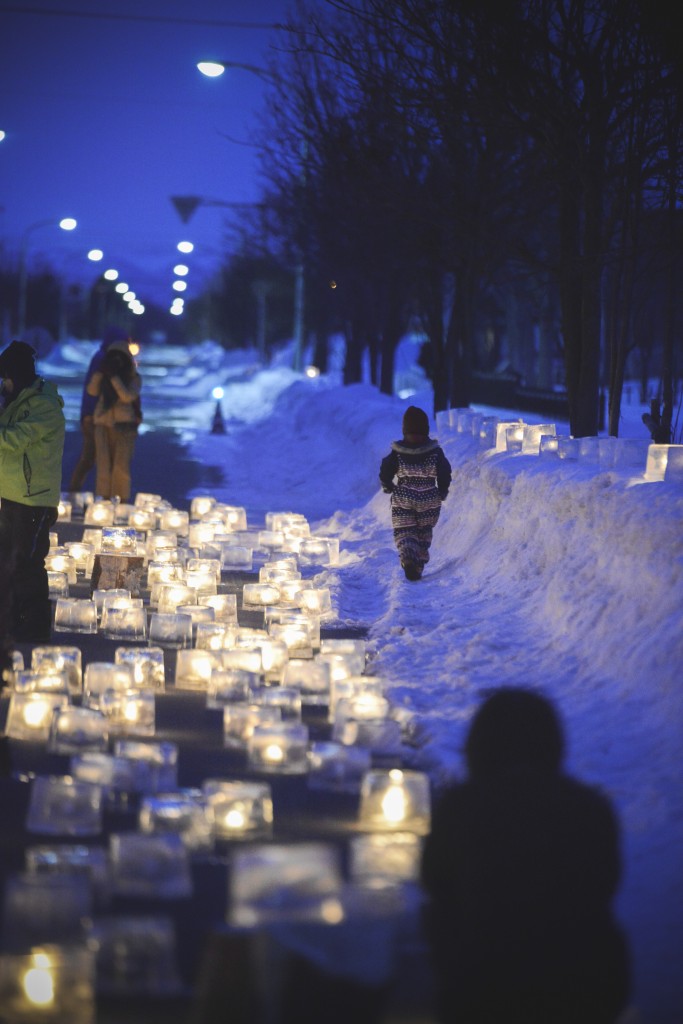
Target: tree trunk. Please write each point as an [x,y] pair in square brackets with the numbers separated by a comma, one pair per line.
[589,376]
[459,342]
[670,316]
[353,361]
[570,297]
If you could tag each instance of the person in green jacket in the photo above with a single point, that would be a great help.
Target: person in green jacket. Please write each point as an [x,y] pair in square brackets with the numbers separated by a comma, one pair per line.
[32,430]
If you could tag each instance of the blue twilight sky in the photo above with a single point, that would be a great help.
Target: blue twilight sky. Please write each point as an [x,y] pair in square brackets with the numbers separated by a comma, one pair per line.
[107,118]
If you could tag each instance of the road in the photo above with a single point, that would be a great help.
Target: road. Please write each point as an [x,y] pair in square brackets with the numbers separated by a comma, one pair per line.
[160,466]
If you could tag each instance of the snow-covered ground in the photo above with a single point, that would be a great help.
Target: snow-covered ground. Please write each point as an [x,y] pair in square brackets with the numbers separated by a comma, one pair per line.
[565,576]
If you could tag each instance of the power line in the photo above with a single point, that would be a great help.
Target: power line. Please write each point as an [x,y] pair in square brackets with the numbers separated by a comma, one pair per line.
[104,16]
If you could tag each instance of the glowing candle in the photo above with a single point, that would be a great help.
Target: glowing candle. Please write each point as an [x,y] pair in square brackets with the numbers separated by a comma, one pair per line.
[36,713]
[38,981]
[274,753]
[394,800]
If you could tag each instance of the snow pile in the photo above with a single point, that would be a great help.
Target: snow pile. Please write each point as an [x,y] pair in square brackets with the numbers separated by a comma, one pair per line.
[554,574]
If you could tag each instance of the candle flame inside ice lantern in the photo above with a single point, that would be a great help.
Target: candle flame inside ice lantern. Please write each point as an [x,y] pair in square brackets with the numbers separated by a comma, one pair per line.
[200,505]
[395,799]
[100,513]
[394,804]
[36,713]
[38,982]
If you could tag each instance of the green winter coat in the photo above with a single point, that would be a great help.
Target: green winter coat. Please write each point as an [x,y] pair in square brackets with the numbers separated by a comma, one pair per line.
[32,430]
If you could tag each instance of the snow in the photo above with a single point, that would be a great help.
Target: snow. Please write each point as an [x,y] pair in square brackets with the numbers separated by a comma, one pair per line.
[559,575]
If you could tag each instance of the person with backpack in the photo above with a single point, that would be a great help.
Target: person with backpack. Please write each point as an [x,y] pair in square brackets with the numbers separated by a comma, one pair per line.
[117,416]
[417,474]
[86,460]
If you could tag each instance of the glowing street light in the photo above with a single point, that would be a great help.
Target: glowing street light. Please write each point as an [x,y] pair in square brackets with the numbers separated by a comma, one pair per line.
[66,224]
[211,68]
[185,247]
[95,255]
[215,68]
[110,275]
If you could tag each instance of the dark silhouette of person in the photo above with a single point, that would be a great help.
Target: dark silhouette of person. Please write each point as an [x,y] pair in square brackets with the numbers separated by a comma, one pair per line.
[520,870]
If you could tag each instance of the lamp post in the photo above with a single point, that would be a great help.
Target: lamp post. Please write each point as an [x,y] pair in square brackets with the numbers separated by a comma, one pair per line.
[66,224]
[93,256]
[214,69]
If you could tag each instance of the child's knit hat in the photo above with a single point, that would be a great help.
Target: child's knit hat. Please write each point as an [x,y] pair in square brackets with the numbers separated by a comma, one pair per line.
[415,421]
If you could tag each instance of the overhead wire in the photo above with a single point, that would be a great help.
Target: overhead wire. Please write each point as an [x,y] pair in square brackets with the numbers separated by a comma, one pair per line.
[116,16]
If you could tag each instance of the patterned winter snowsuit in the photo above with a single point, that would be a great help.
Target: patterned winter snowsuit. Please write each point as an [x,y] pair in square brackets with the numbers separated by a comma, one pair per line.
[423,476]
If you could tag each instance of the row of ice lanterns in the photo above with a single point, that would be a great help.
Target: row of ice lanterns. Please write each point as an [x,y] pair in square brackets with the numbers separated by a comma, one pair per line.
[661,461]
[135,954]
[151,527]
[185,608]
[261,705]
[260,689]
[268,881]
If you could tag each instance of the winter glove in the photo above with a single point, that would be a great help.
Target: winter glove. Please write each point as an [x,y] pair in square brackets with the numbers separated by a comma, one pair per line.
[443,495]
[388,489]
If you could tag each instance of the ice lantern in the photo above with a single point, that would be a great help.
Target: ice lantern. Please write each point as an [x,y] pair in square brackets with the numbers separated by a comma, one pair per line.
[30,715]
[75,729]
[62,806]
[514,437]
[281,748]
[124,618]
[181,814]
[143,519]
[64,510]
[56,658]
[664,462]
[176,521]
[255,595]
[100,513]
[385,859]
[146,663]
[130,712]
[501,433]
[674,464]
[83,555]
[395,800]
[59,561]
[75,615]
[201,505]
[170,630]
[119,540]
[101,676]
[533,432]
[239,810]
[271,883]
[51,983]
[194,667]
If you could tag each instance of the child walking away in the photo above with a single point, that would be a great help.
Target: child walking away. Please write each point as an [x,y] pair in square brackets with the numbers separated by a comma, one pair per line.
[423,476]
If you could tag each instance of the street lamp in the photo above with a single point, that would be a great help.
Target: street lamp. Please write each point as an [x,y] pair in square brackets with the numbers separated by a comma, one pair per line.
[66,224]
[214,69]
